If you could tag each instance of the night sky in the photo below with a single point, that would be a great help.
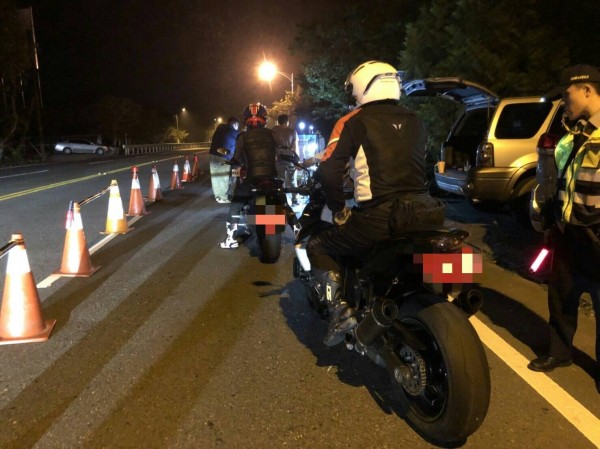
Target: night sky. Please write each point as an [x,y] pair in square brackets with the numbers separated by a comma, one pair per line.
[169,54]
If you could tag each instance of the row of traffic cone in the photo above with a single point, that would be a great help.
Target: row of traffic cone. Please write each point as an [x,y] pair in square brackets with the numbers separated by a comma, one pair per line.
[21,316]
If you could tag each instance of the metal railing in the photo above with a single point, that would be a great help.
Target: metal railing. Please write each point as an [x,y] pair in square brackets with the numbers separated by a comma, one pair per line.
[129,150]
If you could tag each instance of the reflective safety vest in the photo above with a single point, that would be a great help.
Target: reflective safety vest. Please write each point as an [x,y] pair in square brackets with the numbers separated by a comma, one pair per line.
[579,187]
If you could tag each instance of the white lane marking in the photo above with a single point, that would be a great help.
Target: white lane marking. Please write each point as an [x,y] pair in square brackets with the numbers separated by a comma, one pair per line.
[24,174]
[583,420]
[53,277]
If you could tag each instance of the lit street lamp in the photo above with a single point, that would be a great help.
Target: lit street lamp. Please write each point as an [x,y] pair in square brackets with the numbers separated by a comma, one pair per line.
[177,119]
[267,71]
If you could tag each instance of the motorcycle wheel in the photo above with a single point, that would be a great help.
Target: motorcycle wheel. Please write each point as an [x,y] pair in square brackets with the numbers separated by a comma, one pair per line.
[270,245]
[450,393]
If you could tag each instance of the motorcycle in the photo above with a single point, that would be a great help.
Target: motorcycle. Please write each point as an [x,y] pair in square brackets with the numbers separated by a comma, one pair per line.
[267,213]
[407,325]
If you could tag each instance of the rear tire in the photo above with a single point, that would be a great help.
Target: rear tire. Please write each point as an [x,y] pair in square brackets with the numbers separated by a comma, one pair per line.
[451,392]
[270,246]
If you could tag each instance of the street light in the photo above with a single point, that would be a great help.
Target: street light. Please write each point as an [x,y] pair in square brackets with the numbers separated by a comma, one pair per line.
[177,118]
[267,71]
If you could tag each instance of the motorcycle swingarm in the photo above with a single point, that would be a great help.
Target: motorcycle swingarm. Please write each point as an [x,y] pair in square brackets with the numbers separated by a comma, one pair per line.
[407,336]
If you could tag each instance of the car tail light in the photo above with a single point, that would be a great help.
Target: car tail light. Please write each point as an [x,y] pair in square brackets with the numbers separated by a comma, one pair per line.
[485,155]
[547,143]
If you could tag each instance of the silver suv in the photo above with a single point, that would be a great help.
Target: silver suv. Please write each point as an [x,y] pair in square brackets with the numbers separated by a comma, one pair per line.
[490,153]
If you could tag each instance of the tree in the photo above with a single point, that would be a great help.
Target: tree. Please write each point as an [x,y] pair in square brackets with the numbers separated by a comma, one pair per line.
[117,117]
[502,44]
[177,135]
[14,62]
[361,31]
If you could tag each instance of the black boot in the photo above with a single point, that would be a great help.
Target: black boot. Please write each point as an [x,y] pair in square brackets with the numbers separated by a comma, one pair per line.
[342,319]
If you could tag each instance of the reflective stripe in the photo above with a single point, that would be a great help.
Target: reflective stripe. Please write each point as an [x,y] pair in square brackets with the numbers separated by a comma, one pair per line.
[360,175]
[581,186]
[589,174]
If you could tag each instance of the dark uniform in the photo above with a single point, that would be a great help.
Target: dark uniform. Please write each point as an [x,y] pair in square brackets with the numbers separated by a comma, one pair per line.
[575,237]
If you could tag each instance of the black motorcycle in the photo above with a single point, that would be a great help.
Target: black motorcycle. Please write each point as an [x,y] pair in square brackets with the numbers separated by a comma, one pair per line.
[407,324]
[267,213]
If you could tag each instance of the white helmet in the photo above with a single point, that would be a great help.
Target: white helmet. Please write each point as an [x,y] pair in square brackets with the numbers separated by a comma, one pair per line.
[373,81]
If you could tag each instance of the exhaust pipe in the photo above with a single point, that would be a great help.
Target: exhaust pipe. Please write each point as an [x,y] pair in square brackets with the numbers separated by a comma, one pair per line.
[469,302]
[381,317]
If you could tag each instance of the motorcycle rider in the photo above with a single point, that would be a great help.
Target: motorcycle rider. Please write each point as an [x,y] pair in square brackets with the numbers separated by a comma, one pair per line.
[384,144]
[255,150]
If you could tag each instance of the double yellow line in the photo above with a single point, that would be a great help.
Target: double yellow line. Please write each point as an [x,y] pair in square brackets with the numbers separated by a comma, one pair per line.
[10,196]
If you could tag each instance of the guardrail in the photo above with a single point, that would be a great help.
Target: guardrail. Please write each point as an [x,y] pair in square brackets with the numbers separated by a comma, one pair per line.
[162,147]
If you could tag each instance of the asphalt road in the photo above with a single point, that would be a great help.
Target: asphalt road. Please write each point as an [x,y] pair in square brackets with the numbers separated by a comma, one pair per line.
[175,343]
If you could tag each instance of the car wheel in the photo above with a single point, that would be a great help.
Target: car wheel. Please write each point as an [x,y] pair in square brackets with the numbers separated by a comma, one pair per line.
[520,202]
[67,151]
[100,151]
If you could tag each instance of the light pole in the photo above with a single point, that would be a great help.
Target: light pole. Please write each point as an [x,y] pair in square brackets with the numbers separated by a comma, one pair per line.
[177,118]
[267,71]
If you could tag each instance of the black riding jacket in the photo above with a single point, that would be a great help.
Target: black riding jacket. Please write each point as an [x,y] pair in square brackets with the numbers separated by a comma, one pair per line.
[384,143]
[255,149]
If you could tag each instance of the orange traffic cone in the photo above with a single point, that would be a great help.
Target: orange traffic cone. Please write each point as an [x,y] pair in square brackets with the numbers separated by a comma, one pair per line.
[195,172]
[175,184]
[154,192]
[21,315]
[115,219]
[186,176]
[136,202]
[76,256]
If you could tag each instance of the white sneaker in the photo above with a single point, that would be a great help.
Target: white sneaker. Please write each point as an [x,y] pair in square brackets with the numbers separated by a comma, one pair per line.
[229,243]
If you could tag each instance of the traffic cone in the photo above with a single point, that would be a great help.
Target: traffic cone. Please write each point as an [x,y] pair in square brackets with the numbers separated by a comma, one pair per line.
[21,315]
[136,202]
[195,172]
[76,256]
[175,184]
[154,192]
[115,219]
[186,177]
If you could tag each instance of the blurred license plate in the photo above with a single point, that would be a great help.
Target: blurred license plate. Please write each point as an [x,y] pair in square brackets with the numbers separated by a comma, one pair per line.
[235,172]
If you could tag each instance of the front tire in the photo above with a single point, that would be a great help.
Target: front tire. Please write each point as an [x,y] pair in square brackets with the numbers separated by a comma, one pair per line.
[100,151]
[450,395]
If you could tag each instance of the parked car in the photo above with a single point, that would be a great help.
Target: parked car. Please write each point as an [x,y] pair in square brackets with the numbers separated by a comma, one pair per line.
[80,146]
[490,153]
[541,206]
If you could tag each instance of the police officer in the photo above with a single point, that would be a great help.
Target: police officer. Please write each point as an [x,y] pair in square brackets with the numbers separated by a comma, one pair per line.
[575,236]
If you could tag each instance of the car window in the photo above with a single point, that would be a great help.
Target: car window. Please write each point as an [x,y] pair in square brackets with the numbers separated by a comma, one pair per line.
[473,123]
[521,120]
[556,127]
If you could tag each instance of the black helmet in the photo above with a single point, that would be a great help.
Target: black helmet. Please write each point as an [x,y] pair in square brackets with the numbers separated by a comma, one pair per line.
[255,115]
